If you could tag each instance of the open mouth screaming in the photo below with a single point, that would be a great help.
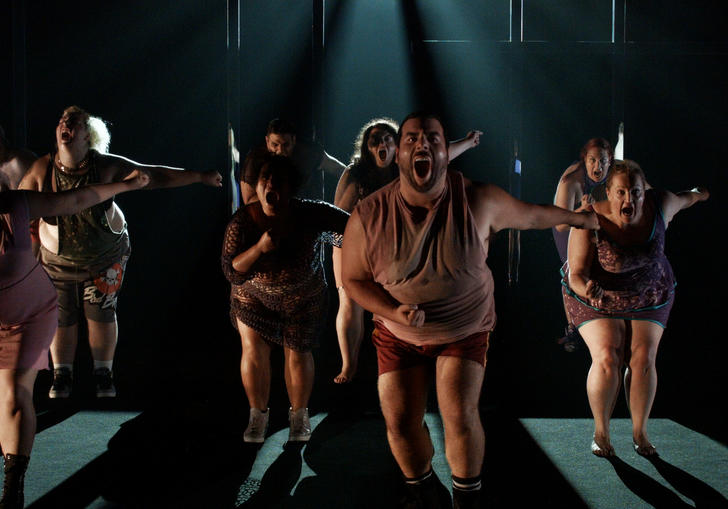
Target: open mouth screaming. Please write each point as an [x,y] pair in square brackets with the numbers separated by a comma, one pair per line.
[382,155]
[422,164]
[627,211]
[272,199]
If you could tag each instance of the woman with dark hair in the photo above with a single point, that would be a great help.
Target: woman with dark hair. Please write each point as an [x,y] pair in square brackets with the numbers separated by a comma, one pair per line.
[271,256]
[580,185]
[86,254]
[618,289]
[372,167]
[29,315]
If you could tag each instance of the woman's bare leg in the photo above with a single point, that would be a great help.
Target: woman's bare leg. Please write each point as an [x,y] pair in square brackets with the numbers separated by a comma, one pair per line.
[605,340]
[643,380]
[350,332]
[17,415]
[299,374]
[255,367]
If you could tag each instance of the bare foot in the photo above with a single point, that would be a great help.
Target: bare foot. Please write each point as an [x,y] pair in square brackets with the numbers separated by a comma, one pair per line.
[643,447]
[601,447]
[346,376]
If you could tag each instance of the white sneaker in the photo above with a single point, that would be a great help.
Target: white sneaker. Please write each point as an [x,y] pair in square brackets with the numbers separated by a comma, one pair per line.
[257,426]
[300,426]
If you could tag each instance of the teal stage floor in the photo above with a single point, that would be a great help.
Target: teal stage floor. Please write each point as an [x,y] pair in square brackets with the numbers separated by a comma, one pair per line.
[691,471]
[347,464]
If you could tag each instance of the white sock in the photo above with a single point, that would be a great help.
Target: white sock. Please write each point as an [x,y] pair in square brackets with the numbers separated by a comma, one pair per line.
[103,364]
[69,367]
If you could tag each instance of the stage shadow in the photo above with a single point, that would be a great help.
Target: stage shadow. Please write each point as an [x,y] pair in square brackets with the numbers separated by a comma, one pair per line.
[704,495]
[345,458]
[645,487]
[172,453]
[280,478]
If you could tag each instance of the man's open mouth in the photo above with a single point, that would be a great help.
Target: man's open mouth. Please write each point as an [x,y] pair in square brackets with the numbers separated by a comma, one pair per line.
[272,198]
[422,166]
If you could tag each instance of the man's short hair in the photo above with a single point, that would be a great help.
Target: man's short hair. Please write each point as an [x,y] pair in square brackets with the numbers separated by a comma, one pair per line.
[281,126]
[423,115]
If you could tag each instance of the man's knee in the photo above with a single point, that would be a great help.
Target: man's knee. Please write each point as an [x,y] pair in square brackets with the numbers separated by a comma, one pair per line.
[403,424]
[462,421]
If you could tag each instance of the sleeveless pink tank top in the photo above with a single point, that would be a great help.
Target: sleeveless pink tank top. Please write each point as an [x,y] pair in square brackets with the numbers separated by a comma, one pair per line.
[436,261]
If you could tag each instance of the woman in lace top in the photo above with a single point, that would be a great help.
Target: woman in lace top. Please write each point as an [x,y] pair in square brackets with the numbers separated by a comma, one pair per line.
[618,290]
[272,258]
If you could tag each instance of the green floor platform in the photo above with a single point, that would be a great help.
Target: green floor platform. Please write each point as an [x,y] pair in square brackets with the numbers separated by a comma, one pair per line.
[63,450]
[691,470]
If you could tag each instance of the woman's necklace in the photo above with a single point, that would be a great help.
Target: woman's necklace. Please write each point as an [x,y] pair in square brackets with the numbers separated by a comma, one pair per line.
[81,166]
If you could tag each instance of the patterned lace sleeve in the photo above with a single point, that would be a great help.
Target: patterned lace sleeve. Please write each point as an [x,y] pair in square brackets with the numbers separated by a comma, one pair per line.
[332,222]
[233,245]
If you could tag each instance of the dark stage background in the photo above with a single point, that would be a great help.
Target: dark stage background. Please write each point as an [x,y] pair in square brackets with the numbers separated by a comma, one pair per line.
[161,73]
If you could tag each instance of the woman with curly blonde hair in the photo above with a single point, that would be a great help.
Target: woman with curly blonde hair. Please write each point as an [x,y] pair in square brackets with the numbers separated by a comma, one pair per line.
[85,254]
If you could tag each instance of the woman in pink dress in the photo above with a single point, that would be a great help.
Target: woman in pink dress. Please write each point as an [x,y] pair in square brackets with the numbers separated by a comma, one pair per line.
[28,315]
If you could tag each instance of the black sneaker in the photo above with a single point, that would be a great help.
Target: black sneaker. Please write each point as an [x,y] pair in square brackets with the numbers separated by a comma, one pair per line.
[62,383]
[104,383]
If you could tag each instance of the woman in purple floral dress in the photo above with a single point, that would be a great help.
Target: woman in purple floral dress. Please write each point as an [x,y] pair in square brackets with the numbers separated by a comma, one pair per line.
[618,289]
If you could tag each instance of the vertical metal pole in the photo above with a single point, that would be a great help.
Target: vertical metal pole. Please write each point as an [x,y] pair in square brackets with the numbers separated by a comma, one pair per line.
[514,171]
[619,48]
[19,89]
[514,236]
[317,56]
[233,98]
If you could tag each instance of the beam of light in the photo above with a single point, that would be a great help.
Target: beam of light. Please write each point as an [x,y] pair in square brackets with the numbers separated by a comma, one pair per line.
[365,71]
[464,43]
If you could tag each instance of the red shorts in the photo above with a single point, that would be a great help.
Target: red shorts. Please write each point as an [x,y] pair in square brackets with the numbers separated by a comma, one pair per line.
[394,354]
